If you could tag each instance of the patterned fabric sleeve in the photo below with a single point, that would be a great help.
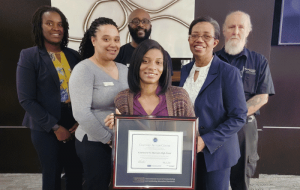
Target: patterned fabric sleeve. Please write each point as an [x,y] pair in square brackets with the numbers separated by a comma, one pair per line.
[182,105]
[121,102]
[189,108]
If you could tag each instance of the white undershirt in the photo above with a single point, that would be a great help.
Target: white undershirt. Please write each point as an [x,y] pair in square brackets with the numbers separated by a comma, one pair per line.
[193,88]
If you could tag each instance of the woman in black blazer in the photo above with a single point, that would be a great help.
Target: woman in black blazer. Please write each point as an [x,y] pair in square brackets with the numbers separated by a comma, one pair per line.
[43,73]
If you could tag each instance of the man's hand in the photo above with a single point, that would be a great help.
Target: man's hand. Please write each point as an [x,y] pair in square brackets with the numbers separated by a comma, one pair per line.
[62,134]
[73,129]
[200,145]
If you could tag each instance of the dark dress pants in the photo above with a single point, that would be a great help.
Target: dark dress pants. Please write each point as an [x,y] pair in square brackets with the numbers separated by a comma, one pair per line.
[214,180]
[96,161]
[245,168]
[55,156]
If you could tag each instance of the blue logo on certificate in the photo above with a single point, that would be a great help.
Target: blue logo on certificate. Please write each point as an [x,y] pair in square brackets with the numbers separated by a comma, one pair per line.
[155,139]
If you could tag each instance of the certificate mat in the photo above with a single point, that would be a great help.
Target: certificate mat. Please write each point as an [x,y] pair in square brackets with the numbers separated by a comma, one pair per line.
[157,152]
[154,152]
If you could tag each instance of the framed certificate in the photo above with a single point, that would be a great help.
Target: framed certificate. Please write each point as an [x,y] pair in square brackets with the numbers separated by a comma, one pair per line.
[154,152]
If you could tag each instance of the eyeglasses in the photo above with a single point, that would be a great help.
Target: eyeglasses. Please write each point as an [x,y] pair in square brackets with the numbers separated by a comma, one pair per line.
[204,37]
[137,21]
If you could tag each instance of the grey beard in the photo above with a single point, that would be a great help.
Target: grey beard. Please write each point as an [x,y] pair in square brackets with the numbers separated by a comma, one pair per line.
[233,49]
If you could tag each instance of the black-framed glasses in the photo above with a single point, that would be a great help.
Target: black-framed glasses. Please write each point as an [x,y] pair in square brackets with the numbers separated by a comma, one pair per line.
[137,21]
[204,37]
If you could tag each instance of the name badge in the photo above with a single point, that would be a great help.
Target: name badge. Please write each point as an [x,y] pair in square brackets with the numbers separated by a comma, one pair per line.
[108,83]
[250,71]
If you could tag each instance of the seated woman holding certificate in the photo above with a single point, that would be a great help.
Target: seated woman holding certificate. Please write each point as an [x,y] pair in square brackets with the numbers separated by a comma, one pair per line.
[150,91]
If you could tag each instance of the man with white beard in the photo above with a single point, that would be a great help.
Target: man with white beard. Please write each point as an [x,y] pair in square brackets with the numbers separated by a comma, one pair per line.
[258,86]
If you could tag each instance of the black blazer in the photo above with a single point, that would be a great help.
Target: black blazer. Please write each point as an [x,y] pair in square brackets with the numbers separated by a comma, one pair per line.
[38,87]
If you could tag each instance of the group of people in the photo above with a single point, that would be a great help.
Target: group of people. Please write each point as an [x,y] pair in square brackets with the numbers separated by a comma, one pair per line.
[70,109]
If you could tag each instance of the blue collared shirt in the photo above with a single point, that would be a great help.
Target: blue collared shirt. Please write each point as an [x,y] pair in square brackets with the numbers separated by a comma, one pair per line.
[254,69]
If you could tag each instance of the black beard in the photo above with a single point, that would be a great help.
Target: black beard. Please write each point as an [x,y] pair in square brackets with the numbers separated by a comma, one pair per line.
[133,33]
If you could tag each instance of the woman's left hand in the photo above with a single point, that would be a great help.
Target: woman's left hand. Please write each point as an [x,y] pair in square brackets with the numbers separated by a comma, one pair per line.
[73,129]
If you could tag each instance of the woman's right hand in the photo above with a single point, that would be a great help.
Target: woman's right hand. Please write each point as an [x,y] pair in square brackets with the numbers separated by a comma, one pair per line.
[110,119]
[200,144]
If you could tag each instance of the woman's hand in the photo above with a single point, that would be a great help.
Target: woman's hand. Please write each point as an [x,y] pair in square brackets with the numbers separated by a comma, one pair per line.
[110,120]
[200,145]
[62,134]
[73,129]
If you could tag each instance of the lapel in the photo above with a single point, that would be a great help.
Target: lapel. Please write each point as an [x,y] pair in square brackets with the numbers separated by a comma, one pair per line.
[186,72]
[70,57]
[49,64]
[212,73]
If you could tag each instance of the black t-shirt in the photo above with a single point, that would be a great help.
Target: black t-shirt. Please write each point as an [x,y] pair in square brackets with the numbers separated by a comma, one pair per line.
[125,54]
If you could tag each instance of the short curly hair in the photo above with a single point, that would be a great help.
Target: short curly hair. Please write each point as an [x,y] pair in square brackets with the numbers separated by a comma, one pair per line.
[86,48]
[37,30]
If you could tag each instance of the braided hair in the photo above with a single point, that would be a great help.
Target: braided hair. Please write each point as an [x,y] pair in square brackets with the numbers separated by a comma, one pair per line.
[86,48]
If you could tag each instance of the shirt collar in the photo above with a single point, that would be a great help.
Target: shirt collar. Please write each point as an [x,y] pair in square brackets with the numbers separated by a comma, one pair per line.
[195,68]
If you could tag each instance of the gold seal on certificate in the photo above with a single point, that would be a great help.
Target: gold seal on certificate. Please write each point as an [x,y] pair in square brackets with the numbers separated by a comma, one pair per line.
[157,152]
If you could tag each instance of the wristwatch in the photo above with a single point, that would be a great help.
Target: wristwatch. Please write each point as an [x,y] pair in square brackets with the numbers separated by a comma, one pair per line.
[55,128]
